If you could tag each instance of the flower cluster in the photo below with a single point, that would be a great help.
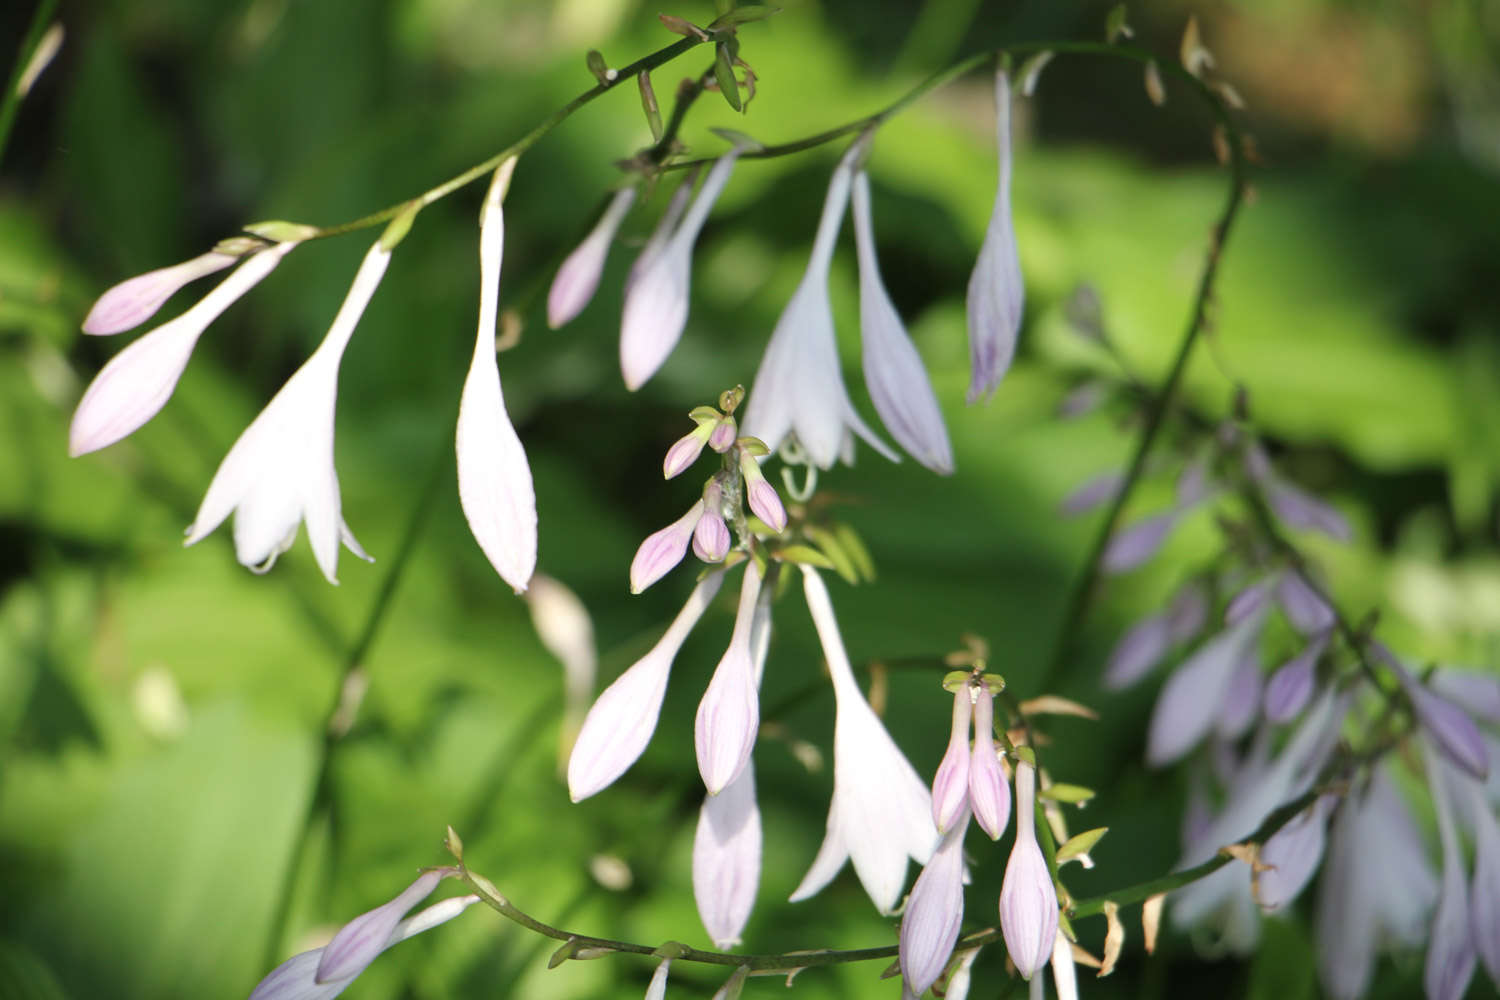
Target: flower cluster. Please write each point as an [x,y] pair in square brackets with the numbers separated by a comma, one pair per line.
[280,472]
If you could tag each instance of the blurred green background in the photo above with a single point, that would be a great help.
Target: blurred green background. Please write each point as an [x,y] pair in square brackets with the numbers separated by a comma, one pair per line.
[162,710]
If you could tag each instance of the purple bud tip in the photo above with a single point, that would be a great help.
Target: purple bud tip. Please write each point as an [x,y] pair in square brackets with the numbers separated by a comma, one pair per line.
[711,538]
[766,505]
[663,550]
[723,436]
[683,453]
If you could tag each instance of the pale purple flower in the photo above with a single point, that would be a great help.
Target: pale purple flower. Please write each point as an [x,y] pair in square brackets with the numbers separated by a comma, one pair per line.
[1149,640]
[934,911]
[894,373]
[726,857]
[1308,612]
[1139,542]
[138,381]
[729,714]
[132,302]
[880,812]
[663,549]
[494,479]
[1377,885]
[799,387]
[1028,900]
[296,978]
[578,277]
[1478,692]
[996,292]
[1451,954]
[656,297]
[1241,701]
[1451,729]
[1191,699]
[359,941]
[1291,504]
[1291,686]
[724,434]
[1293,854]
[950,786]
[619,725]
[989,792]
[1254,599]
[1099,490]
[765,503]
[1484,894]
[280,471]
[1193,486]
[711,536]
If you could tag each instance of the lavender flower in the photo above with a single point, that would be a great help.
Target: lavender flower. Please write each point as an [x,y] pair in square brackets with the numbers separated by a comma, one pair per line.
[764,501]
[132,302]
[893,370]
[280,471]
[1028,901]
[1451,953]
[656,297]
[494,479]
[1148,641]
[996,292]
[138,381]
[663,549]
[1186,708]
[578,277]
[950,786]
[1449,727]
[726,858]
[929,926]
[989,792]
[729,714]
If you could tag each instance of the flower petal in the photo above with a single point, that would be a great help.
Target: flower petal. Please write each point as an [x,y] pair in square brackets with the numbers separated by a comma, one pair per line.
[728,718]
[996,291]
[726,858]
[929,926]
[578,277]
[132,302]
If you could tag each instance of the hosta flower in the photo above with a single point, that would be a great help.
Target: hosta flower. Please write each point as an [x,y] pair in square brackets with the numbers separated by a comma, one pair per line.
[132,302]
[799,388]
[728,716]
[996,292]
[929,926]
[494,479]
[1451,953]
[726,858]
[1191,699]
[578,278]
[138,381]
[1450,729]
[893,370]
[1028,900]
[619,725]
[324,973]
[280,472]
[663,549]
[880,813]
[656,297]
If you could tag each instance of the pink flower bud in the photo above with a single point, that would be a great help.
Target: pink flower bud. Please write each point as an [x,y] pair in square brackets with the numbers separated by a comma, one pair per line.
[1028,900]
[764,501]
[989,792]
[711,537]
[726,859]
[132,302]
[950,786]
[996,291]
[663,549]
[728,717]
[723,436]
[929,927]
[685,451]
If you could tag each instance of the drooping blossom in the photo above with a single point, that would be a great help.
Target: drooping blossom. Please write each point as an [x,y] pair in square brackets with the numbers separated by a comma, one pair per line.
[620,723]
[894,373]
[663,549]
[1293,505]
[1191,699]
[494,479]
[799,387]
[1451,953]
[934,911]
[1484,892]
[136,383]
[880,814]
[657,990]
[1291,686]
[996,292]
[1028,900]
[727,842]
[1377,887]
[280,472]
[1450,729]
[135,300]
[578,277]
[711,535]
[1150,639]
[1293,854]
[324,973]
[765,503]
[656,297]
[950,786]
[728,717]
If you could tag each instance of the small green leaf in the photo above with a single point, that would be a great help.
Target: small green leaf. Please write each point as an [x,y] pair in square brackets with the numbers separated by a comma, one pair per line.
[828,542]
[724,76]
[855,545]
[804,555]
[598,67]
[649,104]
[1071,794]
[1114,25]
[1080,844]
[747,14]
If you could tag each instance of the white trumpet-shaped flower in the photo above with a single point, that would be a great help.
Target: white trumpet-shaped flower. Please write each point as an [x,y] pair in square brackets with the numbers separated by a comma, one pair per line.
[881,813]
[280,472]
[494,479]
[656,297]
[893,369]
[799,388]
[616,730]
[578,278]
[138,381]
[996,291]
[132,302]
